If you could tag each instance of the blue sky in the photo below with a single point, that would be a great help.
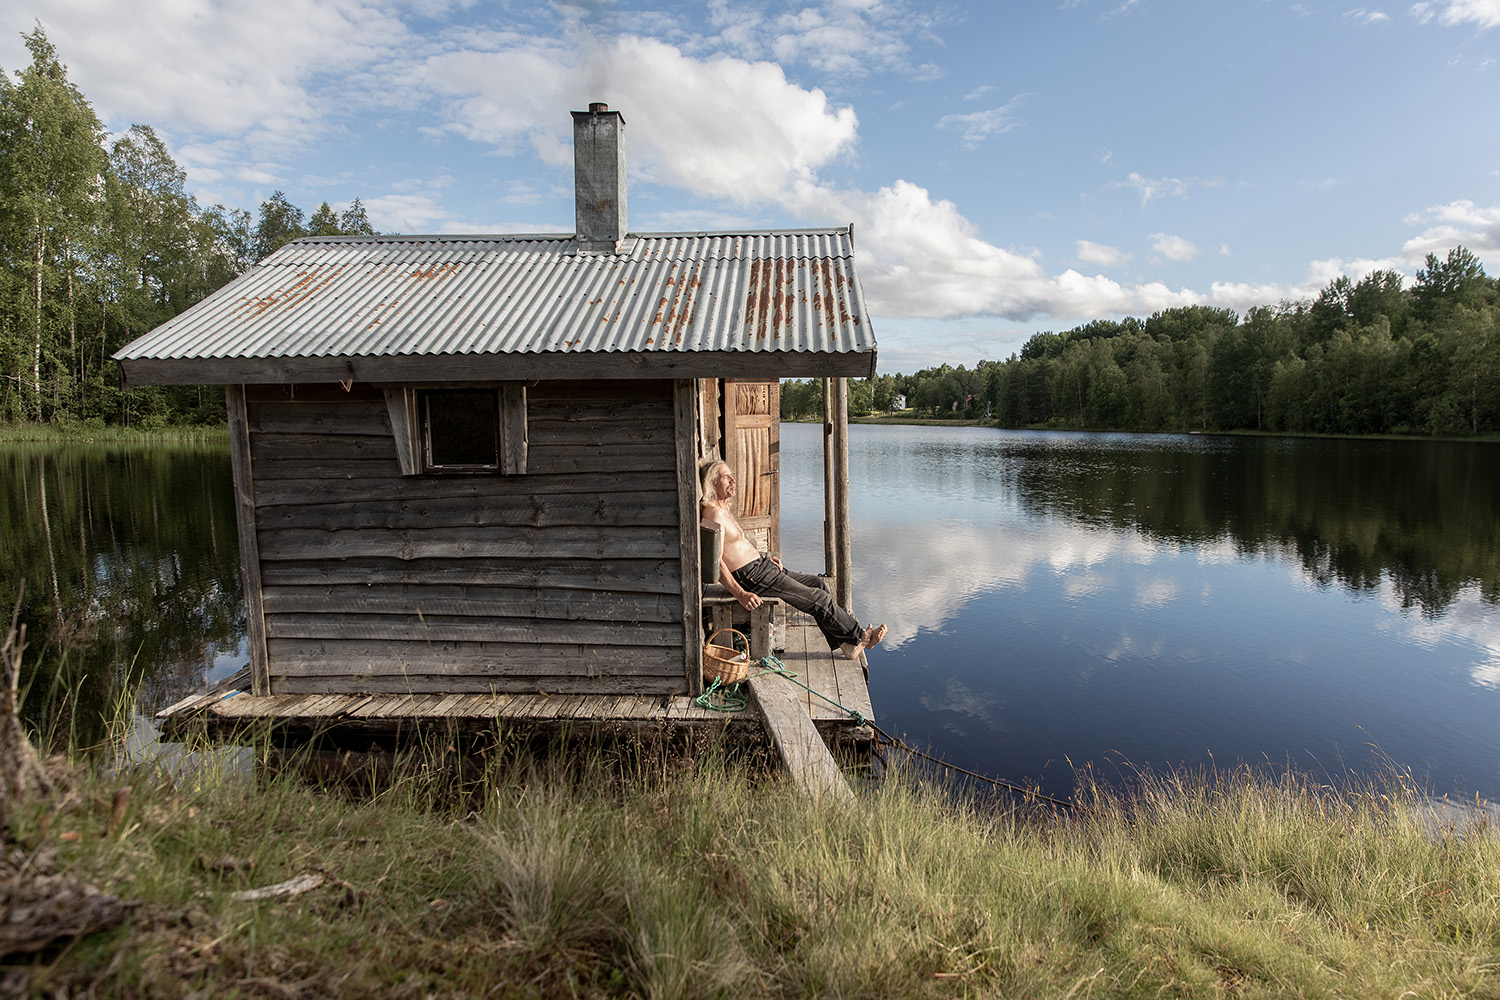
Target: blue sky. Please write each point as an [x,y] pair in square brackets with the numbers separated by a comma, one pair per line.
[1009,166]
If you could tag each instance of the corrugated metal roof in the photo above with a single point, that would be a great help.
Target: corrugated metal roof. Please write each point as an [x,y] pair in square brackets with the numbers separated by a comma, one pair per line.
[446,295]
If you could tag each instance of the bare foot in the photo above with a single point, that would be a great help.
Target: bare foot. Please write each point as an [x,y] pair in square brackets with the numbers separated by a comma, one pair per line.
[871,639]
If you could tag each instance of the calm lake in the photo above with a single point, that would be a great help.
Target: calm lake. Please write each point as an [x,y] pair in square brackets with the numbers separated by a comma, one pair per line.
[1054,599]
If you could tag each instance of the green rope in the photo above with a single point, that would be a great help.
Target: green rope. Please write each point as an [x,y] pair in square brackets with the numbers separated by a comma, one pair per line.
[775,666]
[721,697]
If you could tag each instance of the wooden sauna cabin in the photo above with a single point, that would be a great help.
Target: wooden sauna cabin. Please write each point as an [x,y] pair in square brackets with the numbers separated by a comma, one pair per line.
[466,468]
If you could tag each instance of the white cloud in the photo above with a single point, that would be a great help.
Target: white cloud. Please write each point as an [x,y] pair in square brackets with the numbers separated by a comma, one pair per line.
[1151,188]
[1173,247]
[920,257]
[718,127]
[1484,13]
[1117,8]
[978,126]
[843,38]
[198,66]
[406,213]
[1360,15]
[1458,222]
[1090,252]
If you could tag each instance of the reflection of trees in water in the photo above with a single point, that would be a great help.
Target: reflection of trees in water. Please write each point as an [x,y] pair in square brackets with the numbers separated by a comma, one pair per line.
[131,565]
[1421,514]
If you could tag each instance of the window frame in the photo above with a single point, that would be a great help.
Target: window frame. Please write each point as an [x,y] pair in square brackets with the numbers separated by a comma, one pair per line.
[406,407]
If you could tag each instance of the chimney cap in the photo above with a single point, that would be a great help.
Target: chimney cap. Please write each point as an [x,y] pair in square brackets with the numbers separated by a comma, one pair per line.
[598,107]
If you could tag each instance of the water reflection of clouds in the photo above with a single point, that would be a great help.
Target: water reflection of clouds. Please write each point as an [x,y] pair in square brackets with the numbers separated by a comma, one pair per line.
[1087,584]
[916,575]
[1217,553]
[1468,621]
[958,698]
[1133,647]
[1157,592]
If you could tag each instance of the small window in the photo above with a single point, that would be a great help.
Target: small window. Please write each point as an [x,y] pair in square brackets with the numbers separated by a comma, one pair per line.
[465,430]
[460,430]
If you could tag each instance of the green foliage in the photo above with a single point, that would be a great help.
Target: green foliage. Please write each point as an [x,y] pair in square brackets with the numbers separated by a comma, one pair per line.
[1365,357]
[98,246]
[50,163]
[324,222]
[280,223]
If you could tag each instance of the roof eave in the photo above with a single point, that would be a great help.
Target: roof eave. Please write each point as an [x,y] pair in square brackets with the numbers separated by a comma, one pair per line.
[497,367]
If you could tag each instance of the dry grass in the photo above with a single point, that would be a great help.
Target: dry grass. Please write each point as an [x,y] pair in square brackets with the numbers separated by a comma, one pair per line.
[633,876]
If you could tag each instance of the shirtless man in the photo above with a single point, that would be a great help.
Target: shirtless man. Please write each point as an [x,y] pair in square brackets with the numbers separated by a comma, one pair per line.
[748,575]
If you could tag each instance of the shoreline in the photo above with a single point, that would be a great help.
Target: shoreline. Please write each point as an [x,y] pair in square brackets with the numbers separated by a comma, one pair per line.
[27,433]
[898,420]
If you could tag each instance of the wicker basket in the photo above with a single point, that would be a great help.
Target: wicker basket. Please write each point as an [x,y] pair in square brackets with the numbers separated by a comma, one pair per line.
[725,664]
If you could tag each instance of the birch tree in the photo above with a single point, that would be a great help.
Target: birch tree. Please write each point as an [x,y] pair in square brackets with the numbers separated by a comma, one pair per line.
[51,159]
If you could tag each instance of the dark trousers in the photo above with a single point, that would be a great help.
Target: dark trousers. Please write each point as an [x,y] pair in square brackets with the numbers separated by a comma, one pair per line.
[805,592]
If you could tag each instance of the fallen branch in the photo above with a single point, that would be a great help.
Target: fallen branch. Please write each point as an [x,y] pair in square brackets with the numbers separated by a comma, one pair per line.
[291,887]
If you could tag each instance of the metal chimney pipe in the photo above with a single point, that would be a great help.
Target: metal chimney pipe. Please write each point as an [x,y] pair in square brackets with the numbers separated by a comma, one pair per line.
[599,177]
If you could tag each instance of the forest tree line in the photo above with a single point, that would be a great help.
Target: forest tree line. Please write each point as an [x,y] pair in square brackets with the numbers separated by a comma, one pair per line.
[100,241]
[1365,357]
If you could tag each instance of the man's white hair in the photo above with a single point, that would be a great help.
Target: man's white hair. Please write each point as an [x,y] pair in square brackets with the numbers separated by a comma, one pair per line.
[710,492]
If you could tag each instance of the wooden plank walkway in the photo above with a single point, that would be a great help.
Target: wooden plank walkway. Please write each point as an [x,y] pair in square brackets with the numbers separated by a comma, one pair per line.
[797,741]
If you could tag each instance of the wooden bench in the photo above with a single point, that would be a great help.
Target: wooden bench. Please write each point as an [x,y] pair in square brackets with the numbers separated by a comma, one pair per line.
[725,612]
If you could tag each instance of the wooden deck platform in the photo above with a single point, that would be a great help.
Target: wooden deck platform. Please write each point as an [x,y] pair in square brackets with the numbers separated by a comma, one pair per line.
[229,708]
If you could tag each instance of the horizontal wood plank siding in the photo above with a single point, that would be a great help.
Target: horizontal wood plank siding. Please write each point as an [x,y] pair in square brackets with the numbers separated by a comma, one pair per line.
[566,579]
[472,684]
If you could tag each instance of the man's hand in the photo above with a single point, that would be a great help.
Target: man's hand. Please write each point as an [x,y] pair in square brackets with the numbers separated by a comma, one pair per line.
[777,561]
[748,600]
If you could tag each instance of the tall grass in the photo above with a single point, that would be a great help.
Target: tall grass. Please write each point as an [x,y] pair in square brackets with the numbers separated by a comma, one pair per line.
[98,431]
[643,873]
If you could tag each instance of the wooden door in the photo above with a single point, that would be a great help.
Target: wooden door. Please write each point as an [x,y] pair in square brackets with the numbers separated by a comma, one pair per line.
[750,441]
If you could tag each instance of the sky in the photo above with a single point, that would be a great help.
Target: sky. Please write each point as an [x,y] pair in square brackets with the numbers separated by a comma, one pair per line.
[1009,166]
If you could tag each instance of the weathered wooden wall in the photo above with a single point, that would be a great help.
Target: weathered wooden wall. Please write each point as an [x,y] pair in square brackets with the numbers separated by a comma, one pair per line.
[567,579]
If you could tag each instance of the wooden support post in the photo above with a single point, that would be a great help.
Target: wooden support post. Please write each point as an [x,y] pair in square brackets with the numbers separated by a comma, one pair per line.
[723,617]
[830,560]
[728,411]
[844,570]
[244,518]
[797,741]
[684,396]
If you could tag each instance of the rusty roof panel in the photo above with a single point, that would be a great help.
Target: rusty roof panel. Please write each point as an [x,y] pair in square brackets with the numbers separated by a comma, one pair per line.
[430,295]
